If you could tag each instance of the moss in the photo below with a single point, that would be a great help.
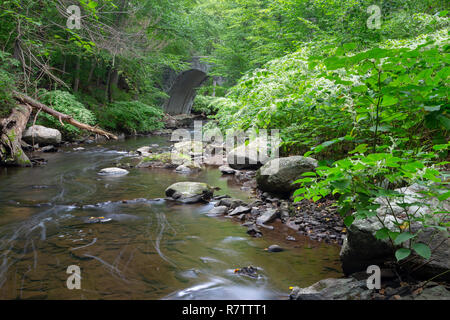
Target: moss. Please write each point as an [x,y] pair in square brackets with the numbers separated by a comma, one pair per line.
[166,157]
[12,136]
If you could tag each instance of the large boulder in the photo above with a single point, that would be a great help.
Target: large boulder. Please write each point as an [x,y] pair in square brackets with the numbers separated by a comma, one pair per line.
[250,156]
[42,135]
[354,289]
[277,175]
[333,289]
[190,192]
[361,248]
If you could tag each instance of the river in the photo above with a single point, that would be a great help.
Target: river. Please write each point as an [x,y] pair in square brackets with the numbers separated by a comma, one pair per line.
[151,249]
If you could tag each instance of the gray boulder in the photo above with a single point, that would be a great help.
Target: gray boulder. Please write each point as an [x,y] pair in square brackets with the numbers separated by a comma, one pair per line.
[217,211]
[333,289]
[277,175]
[113,172]
[190,192]
[240,210]
[267,216]
[356,289]
[231,203]
[226,170]
[144,151]
[42,135]
[361,248]
[248,156]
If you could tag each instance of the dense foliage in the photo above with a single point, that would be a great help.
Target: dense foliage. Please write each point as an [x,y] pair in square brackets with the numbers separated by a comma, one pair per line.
[131,117]
[66,103]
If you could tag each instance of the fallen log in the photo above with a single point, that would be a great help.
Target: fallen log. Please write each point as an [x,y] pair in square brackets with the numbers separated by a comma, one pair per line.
[61,116]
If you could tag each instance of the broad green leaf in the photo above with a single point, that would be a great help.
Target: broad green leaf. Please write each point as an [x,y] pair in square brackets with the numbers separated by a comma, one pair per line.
[402,253]
[402,237]
[349,220]
[382,234]
[422,250]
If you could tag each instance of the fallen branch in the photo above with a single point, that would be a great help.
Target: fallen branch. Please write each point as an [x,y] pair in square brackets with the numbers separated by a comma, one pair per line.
[61,116]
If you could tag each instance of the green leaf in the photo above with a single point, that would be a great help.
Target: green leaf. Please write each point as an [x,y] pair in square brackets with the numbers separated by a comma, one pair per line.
[359,149]
[382,234]
[389,101]
[422,250]
[402,253]
[349,220]
[404,236]
[444,196]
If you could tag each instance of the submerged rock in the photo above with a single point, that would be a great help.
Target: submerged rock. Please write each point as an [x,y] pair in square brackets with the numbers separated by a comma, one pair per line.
[249,271]
[190,192]
[253,231]
[277,175]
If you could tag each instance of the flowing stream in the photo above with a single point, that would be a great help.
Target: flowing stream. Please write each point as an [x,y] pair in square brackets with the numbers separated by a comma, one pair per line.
[150,249]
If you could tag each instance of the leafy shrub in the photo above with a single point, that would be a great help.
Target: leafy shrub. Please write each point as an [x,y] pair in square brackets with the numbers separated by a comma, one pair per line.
[66,103]
[360,180]
[131,117]
[323,96]
[204,105]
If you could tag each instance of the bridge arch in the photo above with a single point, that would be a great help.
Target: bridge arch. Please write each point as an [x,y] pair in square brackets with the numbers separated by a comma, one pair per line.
[183,91]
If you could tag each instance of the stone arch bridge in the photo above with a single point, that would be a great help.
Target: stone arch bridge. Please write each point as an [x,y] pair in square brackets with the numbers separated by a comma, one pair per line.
[182,89]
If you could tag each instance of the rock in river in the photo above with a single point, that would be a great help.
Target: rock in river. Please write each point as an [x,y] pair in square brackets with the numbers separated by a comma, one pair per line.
[267,216]
[248,156]
[240,210]
[274,248]
[220,210]
[113,172]
[190,192]
[277,175]
[226,170]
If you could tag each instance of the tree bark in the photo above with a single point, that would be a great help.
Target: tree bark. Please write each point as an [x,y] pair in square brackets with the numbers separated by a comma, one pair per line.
[91,71]
[11,129]
[76,81]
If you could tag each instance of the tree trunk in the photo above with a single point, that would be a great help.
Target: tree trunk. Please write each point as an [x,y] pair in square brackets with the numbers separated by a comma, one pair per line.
[76,81]
[91,71]
[11,129]
[108,81]
[214,87]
